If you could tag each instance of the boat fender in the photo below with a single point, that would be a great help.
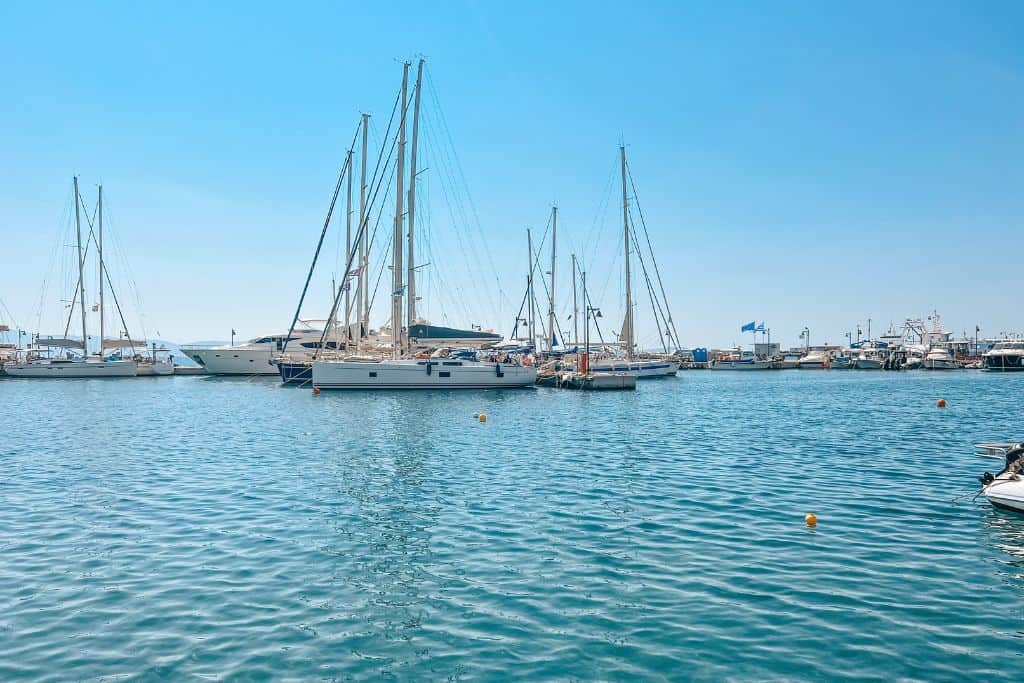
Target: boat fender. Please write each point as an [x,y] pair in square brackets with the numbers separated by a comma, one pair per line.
[429,366]
[497,370]
[986,479]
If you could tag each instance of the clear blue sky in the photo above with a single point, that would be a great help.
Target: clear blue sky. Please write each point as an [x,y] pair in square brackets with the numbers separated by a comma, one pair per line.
[800,163]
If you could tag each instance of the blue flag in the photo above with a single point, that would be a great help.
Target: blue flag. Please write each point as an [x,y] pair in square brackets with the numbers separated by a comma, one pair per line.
[760,328]
[749,327]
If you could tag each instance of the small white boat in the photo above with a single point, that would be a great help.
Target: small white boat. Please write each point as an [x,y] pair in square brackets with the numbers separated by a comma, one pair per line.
[813,360]
[1005,489]
[940,359]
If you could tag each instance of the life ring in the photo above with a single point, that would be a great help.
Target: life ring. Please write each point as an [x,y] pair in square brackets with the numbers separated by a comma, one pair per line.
[528,360]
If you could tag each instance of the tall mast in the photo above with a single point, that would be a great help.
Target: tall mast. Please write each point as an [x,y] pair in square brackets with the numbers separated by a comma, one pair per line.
[551,302]
[529,290]
[411,303]
[81,271]
[575,307]
[348,252]
[362,291]
[100,251]
[628,323]
[585,366]
[397,288]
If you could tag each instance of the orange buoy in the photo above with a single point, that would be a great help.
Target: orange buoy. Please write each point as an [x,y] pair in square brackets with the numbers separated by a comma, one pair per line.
[941,403]
[811,519]
[316,390]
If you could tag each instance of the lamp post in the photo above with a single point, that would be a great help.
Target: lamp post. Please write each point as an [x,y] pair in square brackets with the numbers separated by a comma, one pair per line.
[806,334]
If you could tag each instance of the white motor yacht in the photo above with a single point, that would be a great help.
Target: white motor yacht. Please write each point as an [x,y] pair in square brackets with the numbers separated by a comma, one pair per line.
[940,359]
[254,356]
[1005,356]
[813,360]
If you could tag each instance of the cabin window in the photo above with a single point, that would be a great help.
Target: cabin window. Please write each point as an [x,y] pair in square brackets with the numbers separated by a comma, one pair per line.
[451,362]
[373,374]
[444,374]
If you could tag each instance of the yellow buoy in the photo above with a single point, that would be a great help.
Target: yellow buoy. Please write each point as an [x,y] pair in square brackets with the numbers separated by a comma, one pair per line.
[941,403]
[811,519]
[483,417]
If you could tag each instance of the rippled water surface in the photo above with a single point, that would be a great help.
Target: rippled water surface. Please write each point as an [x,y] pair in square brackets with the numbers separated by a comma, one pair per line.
[201,528]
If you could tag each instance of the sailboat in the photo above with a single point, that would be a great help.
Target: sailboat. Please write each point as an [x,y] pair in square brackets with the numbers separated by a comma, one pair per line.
[67,357]
[642,367]
[440,369]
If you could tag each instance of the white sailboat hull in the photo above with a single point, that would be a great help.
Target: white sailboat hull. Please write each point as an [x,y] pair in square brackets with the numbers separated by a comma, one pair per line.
[420,374]
[643,369]
[156,369]
[235,361]
[73,369]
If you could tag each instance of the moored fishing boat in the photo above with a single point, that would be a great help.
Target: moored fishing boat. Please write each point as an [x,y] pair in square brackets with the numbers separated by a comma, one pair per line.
[740,360]
[843,360]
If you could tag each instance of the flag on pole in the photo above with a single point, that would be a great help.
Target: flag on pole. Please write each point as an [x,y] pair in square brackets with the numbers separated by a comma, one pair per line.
[355,272]
[760,328]
[749,327]
[346,287]
[95,307]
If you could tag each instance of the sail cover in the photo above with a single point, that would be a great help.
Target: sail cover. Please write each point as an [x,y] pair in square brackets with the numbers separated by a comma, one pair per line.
[121,344]
[60,343]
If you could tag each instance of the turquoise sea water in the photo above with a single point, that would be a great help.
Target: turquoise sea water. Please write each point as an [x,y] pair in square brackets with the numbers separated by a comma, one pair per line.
[196,527]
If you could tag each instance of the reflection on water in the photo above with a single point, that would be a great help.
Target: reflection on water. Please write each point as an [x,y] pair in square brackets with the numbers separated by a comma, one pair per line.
[207,527]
